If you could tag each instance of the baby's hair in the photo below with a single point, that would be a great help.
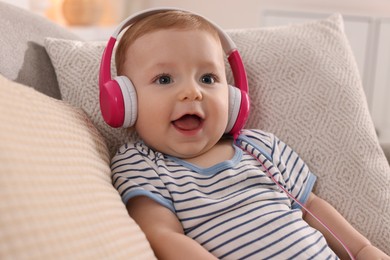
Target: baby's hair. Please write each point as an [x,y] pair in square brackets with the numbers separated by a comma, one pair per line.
[174,19]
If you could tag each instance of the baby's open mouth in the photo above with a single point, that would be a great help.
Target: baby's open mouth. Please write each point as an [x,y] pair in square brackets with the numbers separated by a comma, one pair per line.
[188,122]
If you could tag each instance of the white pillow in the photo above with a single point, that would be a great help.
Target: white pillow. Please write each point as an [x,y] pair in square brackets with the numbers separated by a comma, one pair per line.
[57,200]
[304,87]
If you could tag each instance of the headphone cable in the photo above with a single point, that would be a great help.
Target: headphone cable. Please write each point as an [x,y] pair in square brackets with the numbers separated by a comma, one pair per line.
[300,204]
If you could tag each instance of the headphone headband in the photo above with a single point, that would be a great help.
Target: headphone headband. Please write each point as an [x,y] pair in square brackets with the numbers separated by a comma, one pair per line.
[227,44]
[115,107]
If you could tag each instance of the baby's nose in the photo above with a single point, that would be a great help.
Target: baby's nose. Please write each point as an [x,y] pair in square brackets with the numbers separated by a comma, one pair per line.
[190,91]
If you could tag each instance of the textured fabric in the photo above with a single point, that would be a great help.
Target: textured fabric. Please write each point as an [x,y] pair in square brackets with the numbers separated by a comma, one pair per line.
[77,64]
[56,196]
[304,86]
[386,150]
[233,208]
[23,57]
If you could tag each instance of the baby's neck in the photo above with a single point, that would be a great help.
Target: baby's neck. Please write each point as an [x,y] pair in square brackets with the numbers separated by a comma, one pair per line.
[220,152]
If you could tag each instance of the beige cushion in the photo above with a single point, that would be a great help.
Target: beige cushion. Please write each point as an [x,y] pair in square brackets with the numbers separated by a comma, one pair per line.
[304,87]
[56,197]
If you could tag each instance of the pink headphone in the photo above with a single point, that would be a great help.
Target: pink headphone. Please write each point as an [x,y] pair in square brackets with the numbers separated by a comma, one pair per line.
[118,98]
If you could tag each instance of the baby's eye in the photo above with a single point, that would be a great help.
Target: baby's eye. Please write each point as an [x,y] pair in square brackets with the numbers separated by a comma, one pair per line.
[208,79]
[163,79]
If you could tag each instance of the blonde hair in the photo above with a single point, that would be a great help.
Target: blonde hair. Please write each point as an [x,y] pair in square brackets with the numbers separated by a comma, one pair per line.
[165,20]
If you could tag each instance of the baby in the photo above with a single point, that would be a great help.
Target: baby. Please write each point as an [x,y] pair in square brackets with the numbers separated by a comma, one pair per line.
[197,189]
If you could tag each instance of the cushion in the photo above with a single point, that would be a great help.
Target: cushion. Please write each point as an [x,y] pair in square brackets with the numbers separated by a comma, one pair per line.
[77,64]
[304,87]
[57,200]
[23,57]
[386,149]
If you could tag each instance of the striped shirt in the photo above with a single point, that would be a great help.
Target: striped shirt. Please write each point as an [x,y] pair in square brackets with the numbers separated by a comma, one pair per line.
[233,209]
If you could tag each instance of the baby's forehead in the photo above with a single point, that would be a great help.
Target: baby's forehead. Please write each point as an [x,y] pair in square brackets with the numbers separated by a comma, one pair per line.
[176,45]
[176,35]
[179,30]
[145,28]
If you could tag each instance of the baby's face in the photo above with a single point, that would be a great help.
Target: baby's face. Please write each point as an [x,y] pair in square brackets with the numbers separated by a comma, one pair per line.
[179,76]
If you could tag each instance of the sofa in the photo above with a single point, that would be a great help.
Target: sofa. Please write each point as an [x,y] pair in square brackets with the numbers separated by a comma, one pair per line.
[56,196]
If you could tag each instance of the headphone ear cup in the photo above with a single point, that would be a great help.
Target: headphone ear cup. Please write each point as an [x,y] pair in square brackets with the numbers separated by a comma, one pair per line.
[234,107]
[129,95]
[238,110]
[118,102]
[111,103]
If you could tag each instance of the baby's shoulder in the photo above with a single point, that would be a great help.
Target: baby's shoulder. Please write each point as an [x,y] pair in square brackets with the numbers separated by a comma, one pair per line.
[135,149]
[259,136]
[259,139]
[127,148]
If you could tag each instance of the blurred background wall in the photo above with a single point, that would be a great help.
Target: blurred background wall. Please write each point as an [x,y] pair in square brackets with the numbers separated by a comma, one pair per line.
[227,13]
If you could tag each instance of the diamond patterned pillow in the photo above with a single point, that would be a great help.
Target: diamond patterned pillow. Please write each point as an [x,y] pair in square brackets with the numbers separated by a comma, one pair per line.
[304,87]
[76,65]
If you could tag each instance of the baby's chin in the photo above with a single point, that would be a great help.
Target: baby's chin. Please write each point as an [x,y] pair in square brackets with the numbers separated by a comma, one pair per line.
[185,148]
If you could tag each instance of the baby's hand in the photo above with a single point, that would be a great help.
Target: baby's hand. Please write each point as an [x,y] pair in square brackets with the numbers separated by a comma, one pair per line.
[371,252]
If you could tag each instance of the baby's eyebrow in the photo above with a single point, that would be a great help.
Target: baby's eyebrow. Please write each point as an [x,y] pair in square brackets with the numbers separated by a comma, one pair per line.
[163,65]
[211,64]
